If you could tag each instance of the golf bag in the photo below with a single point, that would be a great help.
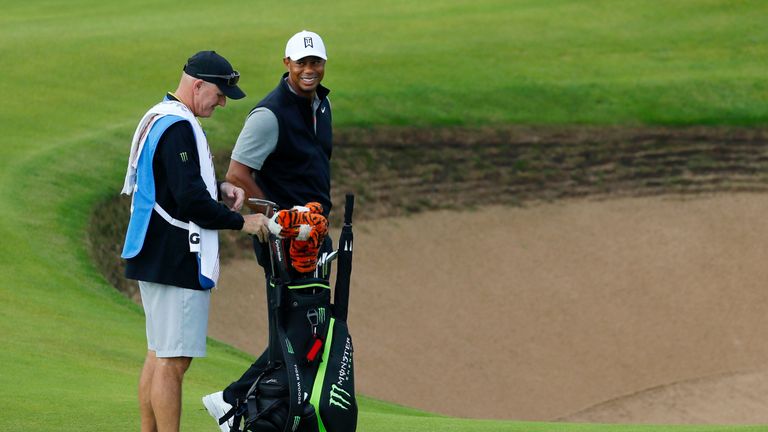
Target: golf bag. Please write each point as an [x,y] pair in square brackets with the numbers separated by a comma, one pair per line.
[304,380]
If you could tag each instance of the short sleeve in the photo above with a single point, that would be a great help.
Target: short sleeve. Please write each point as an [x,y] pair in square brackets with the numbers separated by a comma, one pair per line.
[258,138]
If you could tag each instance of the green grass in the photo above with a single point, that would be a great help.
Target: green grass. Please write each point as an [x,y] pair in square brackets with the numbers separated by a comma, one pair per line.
[77,75]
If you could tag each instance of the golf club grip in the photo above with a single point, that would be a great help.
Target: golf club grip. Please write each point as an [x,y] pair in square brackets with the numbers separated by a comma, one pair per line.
[349,206]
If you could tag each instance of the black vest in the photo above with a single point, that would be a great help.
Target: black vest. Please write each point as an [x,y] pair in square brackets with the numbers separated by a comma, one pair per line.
[299,170]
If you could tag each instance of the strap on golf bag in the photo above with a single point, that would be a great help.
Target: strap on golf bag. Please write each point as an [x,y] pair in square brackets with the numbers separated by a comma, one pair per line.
[304,381]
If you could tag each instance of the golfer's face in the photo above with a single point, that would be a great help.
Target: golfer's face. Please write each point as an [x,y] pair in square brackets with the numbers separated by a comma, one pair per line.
[207,98]
[305,74]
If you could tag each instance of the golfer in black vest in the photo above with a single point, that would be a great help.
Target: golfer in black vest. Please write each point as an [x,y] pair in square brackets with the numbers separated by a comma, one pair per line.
[283,154]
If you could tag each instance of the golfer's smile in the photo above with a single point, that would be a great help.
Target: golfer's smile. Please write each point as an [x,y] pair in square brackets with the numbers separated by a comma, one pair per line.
[309,79]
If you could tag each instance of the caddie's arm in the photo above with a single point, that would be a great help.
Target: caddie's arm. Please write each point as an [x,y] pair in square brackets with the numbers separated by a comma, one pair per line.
[176,159]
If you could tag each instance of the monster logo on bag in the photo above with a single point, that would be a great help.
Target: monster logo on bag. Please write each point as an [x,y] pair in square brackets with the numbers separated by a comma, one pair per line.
[337,406]
[339,397]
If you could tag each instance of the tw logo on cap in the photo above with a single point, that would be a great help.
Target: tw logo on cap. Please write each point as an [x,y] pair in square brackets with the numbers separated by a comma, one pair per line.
[303,44]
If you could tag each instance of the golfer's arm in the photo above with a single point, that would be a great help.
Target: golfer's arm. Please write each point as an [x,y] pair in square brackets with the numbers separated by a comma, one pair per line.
[241,175]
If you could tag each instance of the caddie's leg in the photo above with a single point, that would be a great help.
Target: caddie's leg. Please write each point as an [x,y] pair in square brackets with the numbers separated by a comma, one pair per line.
[148,423]
[166,391]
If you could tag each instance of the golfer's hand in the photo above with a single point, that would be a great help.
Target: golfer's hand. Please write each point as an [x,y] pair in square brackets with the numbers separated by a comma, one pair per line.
[256,224]
[232,196]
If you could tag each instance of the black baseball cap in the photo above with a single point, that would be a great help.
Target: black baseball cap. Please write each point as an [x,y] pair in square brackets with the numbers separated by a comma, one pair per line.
[213,68]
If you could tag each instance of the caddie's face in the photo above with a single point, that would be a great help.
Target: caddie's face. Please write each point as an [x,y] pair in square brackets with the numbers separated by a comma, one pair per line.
[207,97]
[305,74]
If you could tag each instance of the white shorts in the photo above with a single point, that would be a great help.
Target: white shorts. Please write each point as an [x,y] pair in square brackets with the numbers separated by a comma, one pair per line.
[177,319]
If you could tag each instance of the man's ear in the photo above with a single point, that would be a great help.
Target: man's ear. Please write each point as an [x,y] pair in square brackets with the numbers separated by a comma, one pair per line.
[197,85]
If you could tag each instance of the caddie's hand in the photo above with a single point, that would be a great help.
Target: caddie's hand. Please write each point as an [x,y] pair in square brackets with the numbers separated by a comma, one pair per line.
[256,224]
[232,196]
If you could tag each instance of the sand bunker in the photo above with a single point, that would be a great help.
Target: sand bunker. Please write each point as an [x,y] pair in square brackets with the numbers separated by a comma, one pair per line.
[629,310]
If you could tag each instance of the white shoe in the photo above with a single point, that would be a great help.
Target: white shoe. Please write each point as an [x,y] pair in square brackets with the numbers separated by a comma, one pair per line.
[217,407]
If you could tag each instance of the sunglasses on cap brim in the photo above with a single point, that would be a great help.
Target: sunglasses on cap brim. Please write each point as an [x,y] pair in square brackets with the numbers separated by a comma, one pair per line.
[232,78]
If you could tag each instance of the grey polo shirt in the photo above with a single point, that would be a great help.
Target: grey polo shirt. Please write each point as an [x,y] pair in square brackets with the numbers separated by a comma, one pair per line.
[258,138]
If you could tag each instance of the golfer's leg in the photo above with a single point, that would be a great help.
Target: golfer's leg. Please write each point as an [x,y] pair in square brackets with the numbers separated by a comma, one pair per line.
[145,386]
[166,392]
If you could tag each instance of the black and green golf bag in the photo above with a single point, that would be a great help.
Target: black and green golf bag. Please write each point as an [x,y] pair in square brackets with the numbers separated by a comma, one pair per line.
[304,380]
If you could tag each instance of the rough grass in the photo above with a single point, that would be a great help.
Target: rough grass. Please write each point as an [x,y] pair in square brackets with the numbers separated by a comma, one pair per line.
[401,171]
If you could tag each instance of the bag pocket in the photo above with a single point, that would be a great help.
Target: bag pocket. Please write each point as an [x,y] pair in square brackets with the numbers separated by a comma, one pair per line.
[333,394]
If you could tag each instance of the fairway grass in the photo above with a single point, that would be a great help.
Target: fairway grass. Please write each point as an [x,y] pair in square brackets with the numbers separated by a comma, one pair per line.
[78,75]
